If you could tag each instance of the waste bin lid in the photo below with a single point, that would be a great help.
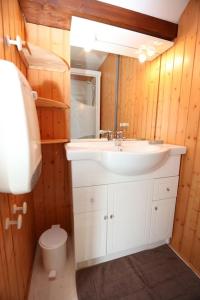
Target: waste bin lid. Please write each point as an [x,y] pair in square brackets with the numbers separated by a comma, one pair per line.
[53,238]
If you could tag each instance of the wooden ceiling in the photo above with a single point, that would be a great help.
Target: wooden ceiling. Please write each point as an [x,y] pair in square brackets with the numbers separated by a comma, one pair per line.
[57,13]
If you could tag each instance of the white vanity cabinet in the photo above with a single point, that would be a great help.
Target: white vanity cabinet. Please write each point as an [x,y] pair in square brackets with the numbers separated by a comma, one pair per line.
[121,204]
[90,222]
[116,218]
[128,215]
[163,208]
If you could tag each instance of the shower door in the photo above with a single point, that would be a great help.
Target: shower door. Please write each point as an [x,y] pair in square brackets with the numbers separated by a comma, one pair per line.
[85,106]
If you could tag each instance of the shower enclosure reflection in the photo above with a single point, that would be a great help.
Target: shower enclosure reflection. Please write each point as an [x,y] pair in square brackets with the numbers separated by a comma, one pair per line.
[85,98]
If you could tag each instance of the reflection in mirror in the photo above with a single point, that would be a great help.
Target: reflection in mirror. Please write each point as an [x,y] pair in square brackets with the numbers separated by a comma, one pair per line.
[130,71]
[85,93]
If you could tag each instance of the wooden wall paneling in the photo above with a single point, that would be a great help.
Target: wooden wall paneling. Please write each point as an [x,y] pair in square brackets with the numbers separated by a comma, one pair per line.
[154,73]
[9,51]
[190,245]
[127,93]
[190,45]
[24,242]
[175,90]
[166,101]
[1,33]
[156,79]
[182,121]
[108,75]
[13,25]
[56,40]
[10,262]
[4,282]
[145,99]
[140,96]
[137,96]
[39,204]
[49,185]
[61,179]
[160,96]
[192,164]
[52,191]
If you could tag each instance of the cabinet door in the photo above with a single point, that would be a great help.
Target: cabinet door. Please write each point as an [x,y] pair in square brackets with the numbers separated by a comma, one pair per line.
[162,216]
[129,208]
[90,235]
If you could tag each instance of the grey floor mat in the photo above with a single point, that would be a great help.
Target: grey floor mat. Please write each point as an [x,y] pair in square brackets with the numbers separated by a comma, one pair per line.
[156,274]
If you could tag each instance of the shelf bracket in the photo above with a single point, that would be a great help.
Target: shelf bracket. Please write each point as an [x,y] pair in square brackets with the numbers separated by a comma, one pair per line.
[17,42]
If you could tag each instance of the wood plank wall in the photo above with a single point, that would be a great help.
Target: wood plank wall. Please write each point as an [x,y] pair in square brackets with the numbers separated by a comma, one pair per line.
[137,95]
[52,195]
[161,99]
[179,122]
[16,246]
[108,76]
[138,90]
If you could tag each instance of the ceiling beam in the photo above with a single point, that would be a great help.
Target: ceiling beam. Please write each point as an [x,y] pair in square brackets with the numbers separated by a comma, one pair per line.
[57,13]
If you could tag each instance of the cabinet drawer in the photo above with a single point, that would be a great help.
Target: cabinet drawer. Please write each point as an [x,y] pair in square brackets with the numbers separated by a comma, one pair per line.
[86,199]
[165,188]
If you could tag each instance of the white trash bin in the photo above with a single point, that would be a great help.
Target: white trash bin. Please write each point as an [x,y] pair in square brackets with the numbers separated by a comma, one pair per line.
[54,252]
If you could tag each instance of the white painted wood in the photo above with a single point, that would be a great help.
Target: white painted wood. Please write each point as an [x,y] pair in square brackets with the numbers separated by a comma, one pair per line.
[128,215]
[165,188]
[87,199]
[90,235]
[162,215]
[98,175]
[112,39]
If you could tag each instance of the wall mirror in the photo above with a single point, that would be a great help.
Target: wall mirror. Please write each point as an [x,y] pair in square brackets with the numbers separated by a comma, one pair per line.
[107,63]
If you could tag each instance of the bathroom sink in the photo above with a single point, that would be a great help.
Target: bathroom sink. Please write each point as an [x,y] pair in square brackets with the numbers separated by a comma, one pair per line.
[133,162]
[131,158]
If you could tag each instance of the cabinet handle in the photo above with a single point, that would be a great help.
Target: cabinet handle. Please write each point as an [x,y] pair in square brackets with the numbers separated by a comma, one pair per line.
[105,217]
[111,216]
[168,189]
[156,207]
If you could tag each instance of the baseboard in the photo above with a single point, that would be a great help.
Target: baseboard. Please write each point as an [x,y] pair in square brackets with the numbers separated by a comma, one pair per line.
[91,262]
[186,262]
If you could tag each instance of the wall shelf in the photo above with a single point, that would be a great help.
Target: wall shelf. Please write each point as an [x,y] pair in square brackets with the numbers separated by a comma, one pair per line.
[54,141]
[42,59]
[44,102]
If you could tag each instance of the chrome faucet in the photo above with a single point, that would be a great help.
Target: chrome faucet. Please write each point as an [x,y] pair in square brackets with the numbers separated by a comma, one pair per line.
[107,134]
[118,138]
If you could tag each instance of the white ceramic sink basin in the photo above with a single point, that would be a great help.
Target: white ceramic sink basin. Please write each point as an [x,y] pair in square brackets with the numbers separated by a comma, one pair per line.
[132,158]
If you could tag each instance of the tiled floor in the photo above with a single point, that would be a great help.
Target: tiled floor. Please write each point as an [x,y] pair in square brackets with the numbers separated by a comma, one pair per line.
[63,288]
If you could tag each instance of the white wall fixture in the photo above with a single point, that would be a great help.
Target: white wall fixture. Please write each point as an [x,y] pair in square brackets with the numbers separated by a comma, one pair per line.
[17,222]
[17,42]
[111,39]
[20,149]
[22,208]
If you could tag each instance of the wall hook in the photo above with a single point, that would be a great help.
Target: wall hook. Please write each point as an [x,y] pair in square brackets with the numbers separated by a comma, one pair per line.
[22,208]
[17,42]
[17,222]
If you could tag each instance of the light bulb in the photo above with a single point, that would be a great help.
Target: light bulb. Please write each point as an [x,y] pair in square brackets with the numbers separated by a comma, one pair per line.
[142,57]
[151,51]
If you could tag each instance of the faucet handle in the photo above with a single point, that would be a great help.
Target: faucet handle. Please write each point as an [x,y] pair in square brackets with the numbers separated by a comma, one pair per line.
[107,133]
[119,134]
